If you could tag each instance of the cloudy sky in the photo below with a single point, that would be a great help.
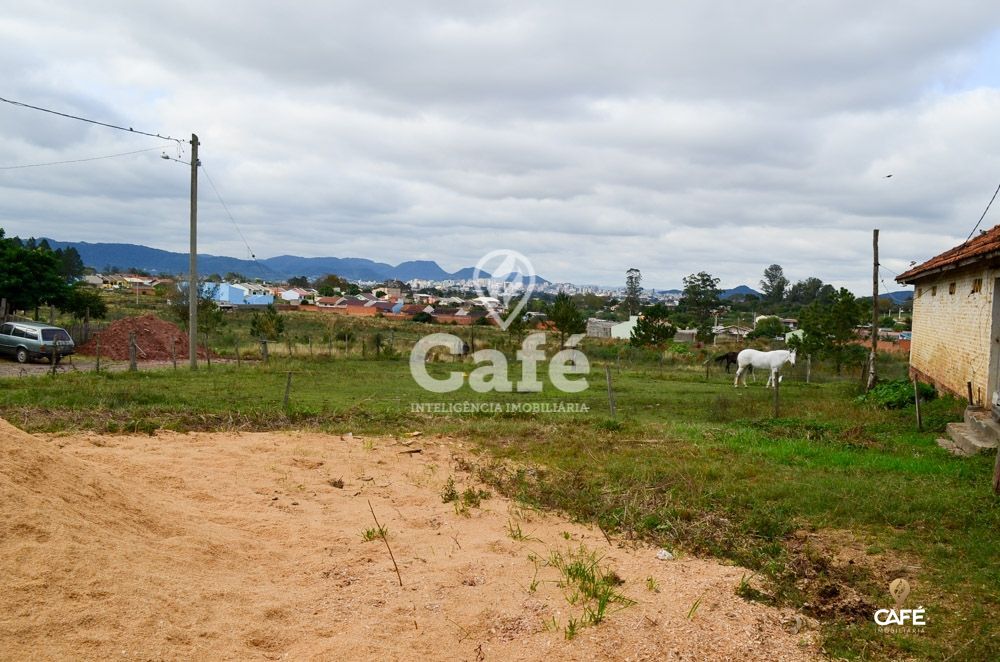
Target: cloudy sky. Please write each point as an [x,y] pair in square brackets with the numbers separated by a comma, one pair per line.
[592,136]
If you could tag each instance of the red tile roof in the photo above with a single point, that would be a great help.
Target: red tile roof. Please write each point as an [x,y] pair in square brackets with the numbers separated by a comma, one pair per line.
[986,245]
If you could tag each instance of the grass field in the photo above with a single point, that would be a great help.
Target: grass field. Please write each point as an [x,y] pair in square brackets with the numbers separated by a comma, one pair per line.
[826,503]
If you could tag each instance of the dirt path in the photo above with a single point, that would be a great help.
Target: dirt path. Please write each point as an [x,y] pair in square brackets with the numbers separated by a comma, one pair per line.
[220,546]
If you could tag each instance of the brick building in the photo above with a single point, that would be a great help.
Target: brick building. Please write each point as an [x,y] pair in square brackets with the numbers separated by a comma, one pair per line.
[956,319]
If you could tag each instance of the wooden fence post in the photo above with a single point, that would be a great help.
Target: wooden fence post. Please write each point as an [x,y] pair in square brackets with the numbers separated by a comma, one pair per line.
[777,384]
[52,360]
[288,390]
[208,352]
[611,392]
[263,351]
[97,366]
[132,367]
[173,352]
[809,367]
[996,475]
[916,403]
[236,346]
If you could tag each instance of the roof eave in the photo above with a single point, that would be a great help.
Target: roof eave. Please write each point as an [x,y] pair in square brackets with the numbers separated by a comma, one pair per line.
[909,278]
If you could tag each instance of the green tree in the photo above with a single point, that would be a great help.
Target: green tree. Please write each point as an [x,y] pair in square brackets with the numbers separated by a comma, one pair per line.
[71,264]
[829,328]
[653,328]
[298,281]
[566,317]
[330,284]
[701,299]
[633,291]
[211,318]
[235,277]
[805,292]
[774,284]
[30,277]
[83,301]
[768,327]
[517,327]
[267,324]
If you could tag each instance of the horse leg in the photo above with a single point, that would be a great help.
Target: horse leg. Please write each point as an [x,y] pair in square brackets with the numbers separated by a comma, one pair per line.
[739,373]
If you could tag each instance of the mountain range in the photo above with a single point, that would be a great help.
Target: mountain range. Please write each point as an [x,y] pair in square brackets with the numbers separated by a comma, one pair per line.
[104,256]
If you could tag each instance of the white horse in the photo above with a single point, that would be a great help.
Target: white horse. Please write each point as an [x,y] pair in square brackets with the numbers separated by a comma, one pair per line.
[763,360]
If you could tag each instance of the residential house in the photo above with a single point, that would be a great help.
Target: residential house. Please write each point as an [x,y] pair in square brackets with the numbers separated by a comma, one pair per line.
[956,319]
[623,330]
[239,294]
[731,332]
[598,328]
[686,335]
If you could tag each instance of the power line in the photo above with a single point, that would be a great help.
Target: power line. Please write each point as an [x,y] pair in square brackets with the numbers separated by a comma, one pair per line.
[93,158]
[84,119]
[984,213]
[235,224]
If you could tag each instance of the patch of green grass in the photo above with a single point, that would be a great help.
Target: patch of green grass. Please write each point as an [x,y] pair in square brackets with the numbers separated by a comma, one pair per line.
[449,493]
[691,464]
[473,498]
[515,532]
[374,533]
[589,584]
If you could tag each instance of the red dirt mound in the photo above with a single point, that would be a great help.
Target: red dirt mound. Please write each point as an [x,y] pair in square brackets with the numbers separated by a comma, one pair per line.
[155,338]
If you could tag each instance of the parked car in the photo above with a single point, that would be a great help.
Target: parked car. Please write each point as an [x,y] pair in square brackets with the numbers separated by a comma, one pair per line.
[906,335]
[27,341]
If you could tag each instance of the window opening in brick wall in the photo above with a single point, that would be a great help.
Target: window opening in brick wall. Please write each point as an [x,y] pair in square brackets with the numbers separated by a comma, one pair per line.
[951,288]
[977,286]
[933,290]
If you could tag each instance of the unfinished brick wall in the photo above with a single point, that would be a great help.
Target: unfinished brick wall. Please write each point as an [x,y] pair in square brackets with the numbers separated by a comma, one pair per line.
[951,331]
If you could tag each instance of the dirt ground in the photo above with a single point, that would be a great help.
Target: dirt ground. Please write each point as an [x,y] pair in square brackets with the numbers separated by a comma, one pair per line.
[241,547]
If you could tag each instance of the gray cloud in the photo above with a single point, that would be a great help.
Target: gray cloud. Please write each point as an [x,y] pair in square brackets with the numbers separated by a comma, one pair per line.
[594,137]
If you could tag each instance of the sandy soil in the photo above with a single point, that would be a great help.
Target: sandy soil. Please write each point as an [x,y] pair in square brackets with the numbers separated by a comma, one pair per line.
[222,546]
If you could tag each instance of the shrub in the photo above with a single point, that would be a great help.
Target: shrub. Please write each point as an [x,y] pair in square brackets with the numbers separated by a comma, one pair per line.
[897,394]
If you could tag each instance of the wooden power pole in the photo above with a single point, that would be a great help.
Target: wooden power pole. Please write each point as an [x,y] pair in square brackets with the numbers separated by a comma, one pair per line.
[872,373]
[193,261]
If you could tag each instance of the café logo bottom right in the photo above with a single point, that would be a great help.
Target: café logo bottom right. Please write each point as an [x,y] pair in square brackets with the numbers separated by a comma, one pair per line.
[899,620]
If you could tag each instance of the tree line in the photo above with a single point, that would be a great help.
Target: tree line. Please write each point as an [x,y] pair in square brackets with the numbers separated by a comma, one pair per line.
[33,275]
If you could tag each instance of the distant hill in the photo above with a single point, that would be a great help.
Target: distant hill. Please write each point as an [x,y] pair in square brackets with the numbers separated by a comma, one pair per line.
[898,297]
[101,256]
[739,290]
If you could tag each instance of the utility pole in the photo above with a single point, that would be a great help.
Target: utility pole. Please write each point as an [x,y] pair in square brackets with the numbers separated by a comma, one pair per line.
[872,374]
[193,263]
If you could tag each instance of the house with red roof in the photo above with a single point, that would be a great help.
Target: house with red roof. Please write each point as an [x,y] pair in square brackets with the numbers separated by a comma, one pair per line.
[956,319]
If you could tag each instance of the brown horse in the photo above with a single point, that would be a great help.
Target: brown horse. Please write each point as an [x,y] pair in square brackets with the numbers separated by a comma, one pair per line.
[730,358]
